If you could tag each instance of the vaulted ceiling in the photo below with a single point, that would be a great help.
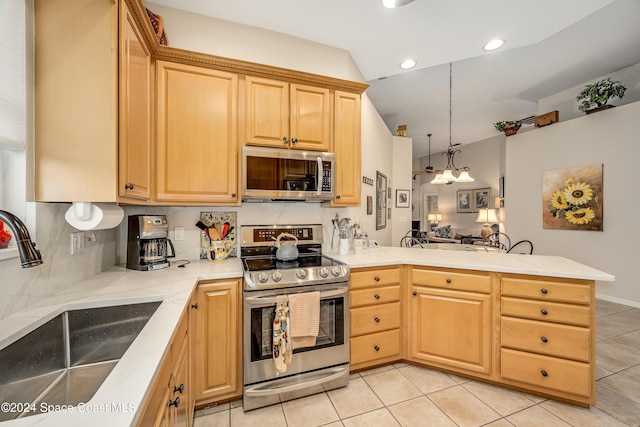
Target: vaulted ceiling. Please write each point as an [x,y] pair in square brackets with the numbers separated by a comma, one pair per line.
[550,46]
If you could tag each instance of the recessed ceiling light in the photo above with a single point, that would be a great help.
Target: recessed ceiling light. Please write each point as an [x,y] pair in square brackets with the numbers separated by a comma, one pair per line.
[493,44]
[407,64]
[390,4]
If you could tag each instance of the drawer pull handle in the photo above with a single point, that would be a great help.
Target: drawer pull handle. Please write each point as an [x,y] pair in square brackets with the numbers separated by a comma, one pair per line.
[415,293]
[175,403]
[194,306]
[377,319]
[376,348]
[377,279]
[544,339]
[376,296]
[544,373]
[448,280]
[180,389]
[544,291]
[544,312]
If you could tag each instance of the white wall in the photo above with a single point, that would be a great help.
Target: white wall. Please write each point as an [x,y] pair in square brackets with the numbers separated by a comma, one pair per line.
[609,137]
[402,180]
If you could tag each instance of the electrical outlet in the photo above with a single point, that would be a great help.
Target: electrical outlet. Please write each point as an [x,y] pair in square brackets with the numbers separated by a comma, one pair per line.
[178,233]
[77,242]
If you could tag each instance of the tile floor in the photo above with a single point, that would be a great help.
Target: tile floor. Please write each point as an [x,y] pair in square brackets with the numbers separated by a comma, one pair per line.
[406,395]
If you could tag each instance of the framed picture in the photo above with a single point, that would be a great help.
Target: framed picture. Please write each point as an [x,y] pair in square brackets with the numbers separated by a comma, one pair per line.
[369,205]
[481,198]
[381,200]
[501,187]
[402,198]
[464,201]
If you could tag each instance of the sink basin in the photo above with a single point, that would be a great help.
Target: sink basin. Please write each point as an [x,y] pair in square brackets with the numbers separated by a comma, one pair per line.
[66,360]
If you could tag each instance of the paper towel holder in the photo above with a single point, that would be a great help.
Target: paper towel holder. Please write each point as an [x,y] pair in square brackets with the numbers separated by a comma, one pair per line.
[94,216]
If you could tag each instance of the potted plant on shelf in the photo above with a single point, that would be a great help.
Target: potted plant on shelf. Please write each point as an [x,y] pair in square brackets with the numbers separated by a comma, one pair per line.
[594,97]
[509,127]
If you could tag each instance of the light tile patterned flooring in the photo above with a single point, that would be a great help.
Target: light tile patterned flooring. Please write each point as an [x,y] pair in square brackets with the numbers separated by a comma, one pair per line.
[406,395]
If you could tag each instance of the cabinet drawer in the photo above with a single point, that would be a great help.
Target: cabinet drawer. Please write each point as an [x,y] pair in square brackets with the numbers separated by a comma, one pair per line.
[547,338]
[364,278]
[547,290]
[365,320]
[374,296]
[579,315]
[371,347]
[444,279]
[547,372]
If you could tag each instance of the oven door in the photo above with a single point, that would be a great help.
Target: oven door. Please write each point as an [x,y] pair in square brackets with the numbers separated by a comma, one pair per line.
[332,343]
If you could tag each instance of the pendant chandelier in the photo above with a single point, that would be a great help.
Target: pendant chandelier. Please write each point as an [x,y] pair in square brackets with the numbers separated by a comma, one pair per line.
[448,175]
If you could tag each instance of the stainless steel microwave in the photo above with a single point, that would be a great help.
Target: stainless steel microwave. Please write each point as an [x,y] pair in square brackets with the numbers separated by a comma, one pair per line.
[270,174]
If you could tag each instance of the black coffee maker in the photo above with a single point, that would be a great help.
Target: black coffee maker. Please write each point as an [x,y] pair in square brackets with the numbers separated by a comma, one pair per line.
[147,243]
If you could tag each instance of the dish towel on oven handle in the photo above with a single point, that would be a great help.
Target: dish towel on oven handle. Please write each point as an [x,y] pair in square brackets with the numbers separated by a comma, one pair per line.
[304,317]
[282,350]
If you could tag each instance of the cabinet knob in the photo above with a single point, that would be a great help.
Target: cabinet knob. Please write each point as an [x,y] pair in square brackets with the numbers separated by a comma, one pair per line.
[338,196]
[233,195]
[377,348]
[544,339]
[377,279]
[294,141]
[544,312]
[448,280]
[128,186]
[175,403]
[377,319]
[194,306]
[544,291]
[544,373]
[180,389]
[376,296]
[285,140]
[415,293]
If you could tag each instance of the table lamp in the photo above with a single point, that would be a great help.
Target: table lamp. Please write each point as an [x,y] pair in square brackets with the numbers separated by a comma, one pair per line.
[433,218]
[486,216]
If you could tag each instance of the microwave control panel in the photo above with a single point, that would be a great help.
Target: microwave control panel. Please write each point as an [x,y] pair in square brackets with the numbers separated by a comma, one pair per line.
[326,176]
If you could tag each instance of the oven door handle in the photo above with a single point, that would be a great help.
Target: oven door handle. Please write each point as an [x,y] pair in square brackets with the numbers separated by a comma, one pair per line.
[272,300]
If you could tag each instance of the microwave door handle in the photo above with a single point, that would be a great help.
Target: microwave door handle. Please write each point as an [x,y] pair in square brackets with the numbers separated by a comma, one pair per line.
[319,176]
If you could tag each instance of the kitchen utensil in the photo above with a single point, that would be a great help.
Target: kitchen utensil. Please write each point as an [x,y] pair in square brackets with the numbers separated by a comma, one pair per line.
[225,230]
[335,228]
[229,231]
[214,234]
[287,251]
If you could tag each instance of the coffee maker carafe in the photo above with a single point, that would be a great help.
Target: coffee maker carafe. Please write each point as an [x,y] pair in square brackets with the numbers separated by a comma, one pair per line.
[147,242]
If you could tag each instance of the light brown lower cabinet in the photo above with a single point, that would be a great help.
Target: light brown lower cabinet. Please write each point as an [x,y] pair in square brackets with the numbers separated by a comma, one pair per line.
[171,402]
[217,341]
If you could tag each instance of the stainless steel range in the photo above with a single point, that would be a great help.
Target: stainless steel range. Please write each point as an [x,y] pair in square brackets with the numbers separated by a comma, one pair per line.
[310,369]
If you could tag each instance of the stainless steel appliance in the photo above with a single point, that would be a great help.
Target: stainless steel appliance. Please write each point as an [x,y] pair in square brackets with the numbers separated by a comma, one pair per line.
[325,365]
[147,242]
[283,175]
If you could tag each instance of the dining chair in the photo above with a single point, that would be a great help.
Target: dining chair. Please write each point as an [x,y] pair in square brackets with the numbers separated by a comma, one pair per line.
[498,240]
[524,247]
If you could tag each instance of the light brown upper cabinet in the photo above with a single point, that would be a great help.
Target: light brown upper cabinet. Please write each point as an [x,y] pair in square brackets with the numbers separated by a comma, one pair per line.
[197,147]
[347,148]
[287,115]
[134,151]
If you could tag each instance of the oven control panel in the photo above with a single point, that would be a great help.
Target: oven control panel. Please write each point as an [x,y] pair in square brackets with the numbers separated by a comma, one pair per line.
[264,235]
[271,234]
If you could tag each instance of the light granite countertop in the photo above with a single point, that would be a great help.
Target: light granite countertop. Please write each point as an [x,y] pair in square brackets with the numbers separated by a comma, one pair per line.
[128,382]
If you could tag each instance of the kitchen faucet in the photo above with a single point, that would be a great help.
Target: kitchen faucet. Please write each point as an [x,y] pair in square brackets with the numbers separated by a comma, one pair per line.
[29,255]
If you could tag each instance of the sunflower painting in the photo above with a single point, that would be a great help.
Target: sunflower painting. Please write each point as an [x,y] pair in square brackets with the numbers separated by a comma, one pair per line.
[572,198]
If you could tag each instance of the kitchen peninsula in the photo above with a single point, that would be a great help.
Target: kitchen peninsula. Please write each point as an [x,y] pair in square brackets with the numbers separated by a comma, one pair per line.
[487,301]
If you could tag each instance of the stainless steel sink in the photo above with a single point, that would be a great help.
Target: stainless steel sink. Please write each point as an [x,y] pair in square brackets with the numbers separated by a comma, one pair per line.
[66,360]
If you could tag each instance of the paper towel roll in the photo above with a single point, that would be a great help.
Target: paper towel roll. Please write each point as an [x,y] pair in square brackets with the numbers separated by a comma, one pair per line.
[94,216]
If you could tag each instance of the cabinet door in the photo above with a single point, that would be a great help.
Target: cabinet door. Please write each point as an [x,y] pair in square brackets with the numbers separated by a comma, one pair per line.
[181,387]
[217,345]
[134,146]
[450,329]
[347,149]
[267,112]
[197,155]
[310,118]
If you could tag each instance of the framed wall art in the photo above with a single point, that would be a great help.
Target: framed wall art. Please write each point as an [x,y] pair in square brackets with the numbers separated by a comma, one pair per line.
[402,198]
[481,199]
[381,200]
[572,198]
[464,201]
[369,205]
